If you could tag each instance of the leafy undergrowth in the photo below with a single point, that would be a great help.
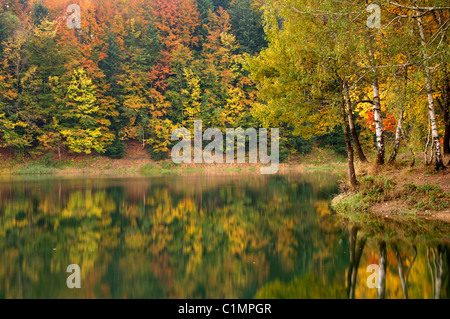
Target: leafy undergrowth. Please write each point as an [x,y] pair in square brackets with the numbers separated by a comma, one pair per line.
[379,189]
[425,197]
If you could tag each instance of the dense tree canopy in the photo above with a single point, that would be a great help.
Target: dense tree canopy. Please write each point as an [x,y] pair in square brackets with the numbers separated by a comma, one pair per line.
[327,64]
[135,70]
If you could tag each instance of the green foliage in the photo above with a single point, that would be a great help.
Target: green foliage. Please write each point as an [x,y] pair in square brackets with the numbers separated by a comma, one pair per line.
[34,169]
[8,23]
[283,154]
[378,189]
[246,22]
[167,165]
[221,3]
[335,140]
[116,150]
[426,197]
[40,12]
[351,204]
[157,155]
[47,164]
[111,64]
[150,169]
[303,146]
[48,161]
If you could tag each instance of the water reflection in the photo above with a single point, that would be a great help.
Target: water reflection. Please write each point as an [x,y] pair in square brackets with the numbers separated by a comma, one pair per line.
[406,268]
[204,236]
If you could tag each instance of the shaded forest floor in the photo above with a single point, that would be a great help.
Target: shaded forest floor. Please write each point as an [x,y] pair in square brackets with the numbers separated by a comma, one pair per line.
[398,192]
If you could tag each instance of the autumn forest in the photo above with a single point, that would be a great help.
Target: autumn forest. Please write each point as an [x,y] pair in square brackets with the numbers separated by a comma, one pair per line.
[135,70]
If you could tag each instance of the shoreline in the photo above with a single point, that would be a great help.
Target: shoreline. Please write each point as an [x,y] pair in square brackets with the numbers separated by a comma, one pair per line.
[382,194]
[138,162]
[162,168]
[397,194]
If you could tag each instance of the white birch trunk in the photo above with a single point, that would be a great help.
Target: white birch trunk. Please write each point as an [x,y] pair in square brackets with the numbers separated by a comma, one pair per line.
[378,122]
[436,145]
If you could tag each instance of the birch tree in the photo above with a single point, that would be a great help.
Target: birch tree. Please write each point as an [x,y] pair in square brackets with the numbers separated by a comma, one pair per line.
[431,31]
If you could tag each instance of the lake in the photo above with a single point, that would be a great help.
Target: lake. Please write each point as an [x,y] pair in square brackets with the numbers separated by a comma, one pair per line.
[228,235]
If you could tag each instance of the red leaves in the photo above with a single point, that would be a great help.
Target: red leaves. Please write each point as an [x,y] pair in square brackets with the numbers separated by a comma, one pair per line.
[389,122]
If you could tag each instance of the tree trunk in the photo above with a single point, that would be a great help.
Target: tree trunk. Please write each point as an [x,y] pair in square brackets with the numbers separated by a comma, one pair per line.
[351,166]
[379,130]
[351,123]
[431,109]
[398,136]
[410,148]
[427,144]
[378,122]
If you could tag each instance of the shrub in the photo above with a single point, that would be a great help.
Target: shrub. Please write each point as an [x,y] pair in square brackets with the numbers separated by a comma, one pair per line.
[376,188]
[410,187]
[284,155]
[335,140]
[157,155]
[116,150]
[351,204]
[429,189]
[48,161]
[304,146]
[168,165]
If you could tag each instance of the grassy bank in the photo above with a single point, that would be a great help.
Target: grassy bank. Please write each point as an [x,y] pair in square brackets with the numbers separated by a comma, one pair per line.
[138,162]
[397,192]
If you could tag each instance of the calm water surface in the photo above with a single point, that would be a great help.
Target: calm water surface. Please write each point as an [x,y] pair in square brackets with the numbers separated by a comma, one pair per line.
[202,236]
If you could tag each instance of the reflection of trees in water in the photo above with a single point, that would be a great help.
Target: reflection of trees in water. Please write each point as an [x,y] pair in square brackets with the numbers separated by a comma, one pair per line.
[382,270]
[355,257]
[194,238]
[435,259]
[402,272]
[405,260]
[222,241]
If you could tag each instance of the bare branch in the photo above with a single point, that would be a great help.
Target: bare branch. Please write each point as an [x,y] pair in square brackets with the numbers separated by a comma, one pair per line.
[417,8]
